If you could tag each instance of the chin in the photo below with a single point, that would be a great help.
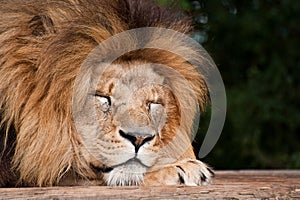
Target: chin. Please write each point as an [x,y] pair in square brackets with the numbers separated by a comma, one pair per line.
[128,174]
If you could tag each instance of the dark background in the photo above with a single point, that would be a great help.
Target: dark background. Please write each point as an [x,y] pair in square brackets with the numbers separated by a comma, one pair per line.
[255,44]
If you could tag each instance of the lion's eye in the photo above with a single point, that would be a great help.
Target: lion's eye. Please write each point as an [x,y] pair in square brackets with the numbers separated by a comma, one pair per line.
[153,106]
[157,114]
[104,102]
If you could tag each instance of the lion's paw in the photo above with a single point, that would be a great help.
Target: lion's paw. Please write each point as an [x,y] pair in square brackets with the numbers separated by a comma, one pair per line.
[190,172]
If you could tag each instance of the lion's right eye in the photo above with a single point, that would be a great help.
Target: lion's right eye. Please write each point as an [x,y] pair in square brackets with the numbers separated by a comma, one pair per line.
[104,102]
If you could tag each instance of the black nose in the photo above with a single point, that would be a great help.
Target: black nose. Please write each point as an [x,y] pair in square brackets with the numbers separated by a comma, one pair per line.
[136,139]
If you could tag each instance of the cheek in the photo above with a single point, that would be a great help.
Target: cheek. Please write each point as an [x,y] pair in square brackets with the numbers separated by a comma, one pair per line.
[109,149]
[105,121]
[171,125]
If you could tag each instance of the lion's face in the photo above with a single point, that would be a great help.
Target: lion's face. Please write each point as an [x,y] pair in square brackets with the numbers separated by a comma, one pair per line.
[137,115]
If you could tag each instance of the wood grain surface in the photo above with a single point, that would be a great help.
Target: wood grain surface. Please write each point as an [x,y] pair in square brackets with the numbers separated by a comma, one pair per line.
[252,184]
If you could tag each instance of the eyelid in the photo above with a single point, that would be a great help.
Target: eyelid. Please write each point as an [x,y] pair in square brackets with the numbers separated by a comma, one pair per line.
[153,103]
[104,96]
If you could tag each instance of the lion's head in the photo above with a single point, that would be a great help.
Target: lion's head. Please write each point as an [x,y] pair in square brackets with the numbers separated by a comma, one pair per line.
[133,121]
[110,122]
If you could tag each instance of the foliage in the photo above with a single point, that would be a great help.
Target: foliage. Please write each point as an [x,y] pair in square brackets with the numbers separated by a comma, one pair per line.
[255,45]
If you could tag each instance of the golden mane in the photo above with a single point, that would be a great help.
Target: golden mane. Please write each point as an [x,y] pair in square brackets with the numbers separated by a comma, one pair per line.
[42,46]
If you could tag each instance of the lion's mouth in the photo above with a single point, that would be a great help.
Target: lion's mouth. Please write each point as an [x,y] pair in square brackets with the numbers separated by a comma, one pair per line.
[131,161]
[106,169]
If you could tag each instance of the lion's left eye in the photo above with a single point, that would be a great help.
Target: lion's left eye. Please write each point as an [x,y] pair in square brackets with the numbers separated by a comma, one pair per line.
[154,106]
[104,102]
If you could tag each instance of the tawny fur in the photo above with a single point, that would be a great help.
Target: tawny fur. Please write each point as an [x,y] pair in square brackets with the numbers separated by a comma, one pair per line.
[42,46]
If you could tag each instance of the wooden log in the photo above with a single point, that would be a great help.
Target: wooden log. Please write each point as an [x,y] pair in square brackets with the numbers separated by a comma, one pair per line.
[227,185]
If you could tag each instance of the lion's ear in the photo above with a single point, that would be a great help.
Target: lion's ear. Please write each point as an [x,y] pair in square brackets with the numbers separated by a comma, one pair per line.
[41,25]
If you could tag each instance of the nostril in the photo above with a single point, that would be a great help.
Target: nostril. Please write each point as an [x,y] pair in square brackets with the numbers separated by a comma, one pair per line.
[131,138]
[137,140]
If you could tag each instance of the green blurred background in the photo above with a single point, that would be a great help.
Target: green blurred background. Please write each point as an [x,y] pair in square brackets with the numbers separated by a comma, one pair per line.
[255,44]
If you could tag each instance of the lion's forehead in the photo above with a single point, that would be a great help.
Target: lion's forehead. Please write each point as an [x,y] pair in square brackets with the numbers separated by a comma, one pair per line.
[125,81]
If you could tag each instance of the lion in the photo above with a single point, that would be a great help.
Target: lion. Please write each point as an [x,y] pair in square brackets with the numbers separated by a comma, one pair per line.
[129,124]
